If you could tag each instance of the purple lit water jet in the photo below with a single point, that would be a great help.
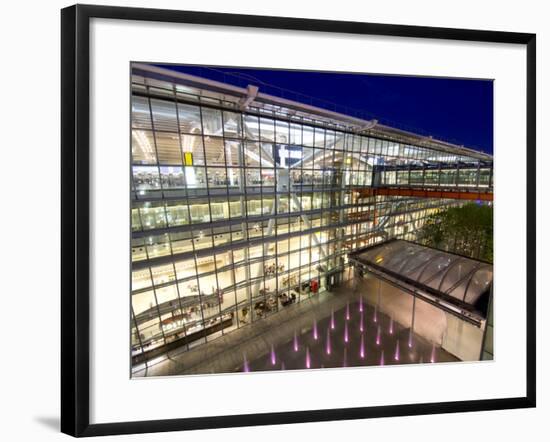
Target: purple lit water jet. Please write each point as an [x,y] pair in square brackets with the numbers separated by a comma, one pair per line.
[410,343]
[361,304]
[382,358]
[295,342]
[345,361]
[332,323]
[391,326]
[347,311]
[315,335]
[273,356]
[361,323]
[308,359]
[375,315]
[432,357]
[396,355]
[362,348]
[346,334]
[246,367]
[328,346]
[378,336]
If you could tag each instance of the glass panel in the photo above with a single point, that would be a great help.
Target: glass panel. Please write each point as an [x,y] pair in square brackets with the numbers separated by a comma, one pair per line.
[152,216]
[177,214]
[232,126]
[479,284]
[164,115]
[141,116]
[168,148]
[214,150]
[143,147]
[458,271]
[141,279]
[171,177]
[146,178]
[189,119]
[212,121]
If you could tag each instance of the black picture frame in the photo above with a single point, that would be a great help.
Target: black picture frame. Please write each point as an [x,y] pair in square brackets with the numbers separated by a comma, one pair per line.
[75,212]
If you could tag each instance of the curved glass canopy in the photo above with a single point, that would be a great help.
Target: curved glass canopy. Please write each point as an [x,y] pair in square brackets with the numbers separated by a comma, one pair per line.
[459,277]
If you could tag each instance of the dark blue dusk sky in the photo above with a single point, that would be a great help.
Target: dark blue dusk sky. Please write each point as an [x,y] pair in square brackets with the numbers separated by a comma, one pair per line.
[454,110]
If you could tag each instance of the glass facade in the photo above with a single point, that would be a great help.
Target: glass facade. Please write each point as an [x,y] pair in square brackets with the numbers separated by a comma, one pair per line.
[240,211]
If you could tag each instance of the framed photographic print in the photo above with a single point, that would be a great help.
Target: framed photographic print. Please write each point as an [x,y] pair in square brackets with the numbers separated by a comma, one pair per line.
[275,220]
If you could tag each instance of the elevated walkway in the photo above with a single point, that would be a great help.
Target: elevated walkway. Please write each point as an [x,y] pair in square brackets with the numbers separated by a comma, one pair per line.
[471,194]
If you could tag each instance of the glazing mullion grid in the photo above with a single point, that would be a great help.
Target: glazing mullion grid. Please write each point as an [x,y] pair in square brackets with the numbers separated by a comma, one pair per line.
[332,234]
[247,267]
[355,173]
[312,230]
[188,215]
[383,144]
[302,224]
[218,292]
[230,252]
[338,188]
[274,147]
[215,254]
[240,147]
[205,339]
[308,271]
[146,258]
[162,195]
[416,156]
[169,240]
[263,255]
[190,223]
[372,203]
[287,270]
[133,187]
[318,165]
[352,212]
[166,213]
[300,271]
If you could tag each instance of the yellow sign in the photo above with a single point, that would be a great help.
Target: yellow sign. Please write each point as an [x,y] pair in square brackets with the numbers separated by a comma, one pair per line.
[188,158]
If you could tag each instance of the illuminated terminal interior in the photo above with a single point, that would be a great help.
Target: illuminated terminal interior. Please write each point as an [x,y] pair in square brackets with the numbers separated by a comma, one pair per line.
[245,204]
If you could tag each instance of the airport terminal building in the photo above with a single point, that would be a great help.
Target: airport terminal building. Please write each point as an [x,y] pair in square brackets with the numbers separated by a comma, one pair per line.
[244,203]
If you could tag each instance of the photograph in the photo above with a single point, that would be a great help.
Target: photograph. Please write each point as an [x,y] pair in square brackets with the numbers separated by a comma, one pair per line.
[308,220]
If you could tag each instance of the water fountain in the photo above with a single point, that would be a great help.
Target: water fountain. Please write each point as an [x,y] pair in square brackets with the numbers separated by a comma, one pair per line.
[362,348]
[332,323]
[396,355]
[295,342]
[361,304]
[328,346]
[378,335]
[246,367]
[391,326]
[361,323]
[308,359]
[347,311]
[382,358]
[273,357]
[432,357]
[315,335]
[346,334]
